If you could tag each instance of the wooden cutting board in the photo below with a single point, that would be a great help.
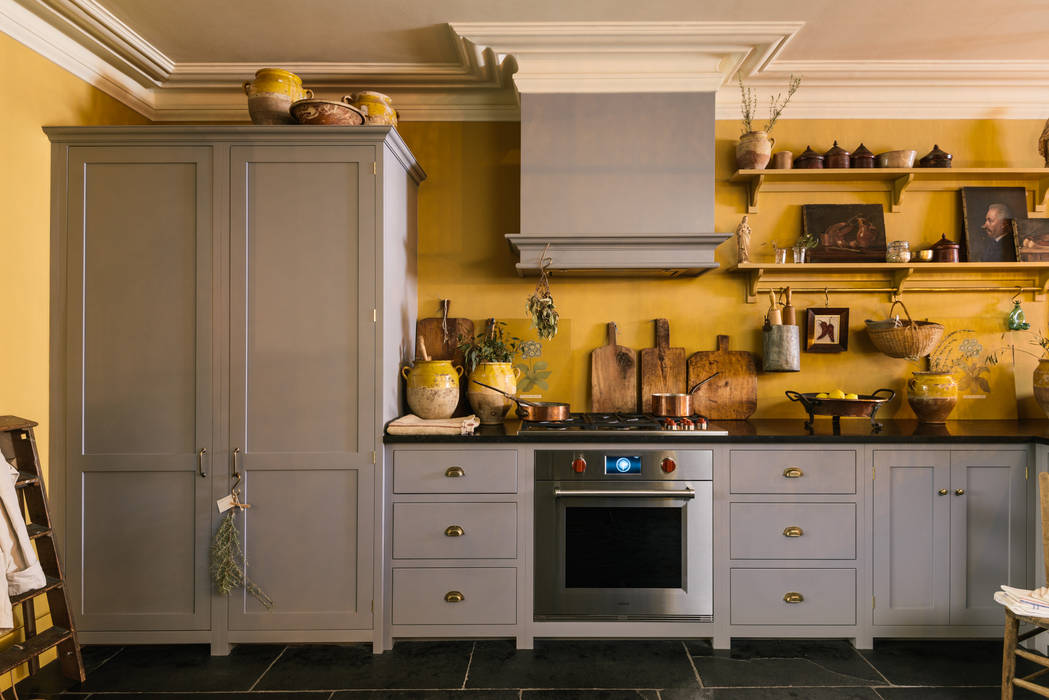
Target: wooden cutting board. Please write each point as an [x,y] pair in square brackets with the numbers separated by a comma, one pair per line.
[441,336]
[733,394]
[662,367]
[613,377]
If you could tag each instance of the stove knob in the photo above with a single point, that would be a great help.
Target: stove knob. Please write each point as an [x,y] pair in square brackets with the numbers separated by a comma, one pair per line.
[701,423]
[579,465]
[686,424]
[668,465]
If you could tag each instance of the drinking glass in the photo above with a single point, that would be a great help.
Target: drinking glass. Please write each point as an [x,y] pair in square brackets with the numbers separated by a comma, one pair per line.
[781,255]
[799,253]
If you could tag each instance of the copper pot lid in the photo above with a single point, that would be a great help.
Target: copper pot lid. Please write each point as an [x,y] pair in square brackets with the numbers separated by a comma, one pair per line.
[862,152]
[835,150]
[944,244]
[936,155]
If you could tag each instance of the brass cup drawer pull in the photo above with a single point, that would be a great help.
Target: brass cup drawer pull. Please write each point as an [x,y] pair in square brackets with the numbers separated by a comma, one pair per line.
[959,492]
[793,531]
[454,472]
[793,473]
[942,492]
[454,597]
[454,531]
[793,597]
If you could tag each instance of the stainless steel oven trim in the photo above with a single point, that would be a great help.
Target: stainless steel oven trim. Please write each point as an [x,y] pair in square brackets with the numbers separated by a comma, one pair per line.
[687,493]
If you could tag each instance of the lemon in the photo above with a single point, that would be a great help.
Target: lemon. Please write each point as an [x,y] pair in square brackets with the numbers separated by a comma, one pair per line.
[852,396]
[821,395]
[836,394]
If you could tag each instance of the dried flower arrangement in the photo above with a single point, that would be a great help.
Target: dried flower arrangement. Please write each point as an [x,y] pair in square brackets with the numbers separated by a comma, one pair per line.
[749,103]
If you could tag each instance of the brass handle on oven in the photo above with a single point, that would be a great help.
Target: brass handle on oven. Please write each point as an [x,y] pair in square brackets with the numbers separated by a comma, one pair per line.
[454,471]
[793,473]
[454,531]
[793,531]
[793,597]
[454,597]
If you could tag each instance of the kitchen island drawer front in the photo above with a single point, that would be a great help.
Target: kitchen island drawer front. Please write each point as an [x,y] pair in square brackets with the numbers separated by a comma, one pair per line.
[459,471]
[454,530]
[792,471]
[822,596]
[792,530]
[455,596]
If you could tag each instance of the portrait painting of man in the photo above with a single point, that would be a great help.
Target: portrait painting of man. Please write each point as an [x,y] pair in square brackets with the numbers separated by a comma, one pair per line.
[989,213]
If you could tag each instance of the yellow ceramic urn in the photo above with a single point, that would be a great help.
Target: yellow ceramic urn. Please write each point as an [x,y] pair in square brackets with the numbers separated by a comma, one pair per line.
[271,93]
[932,395]
[491,407]
[432,388]
[377,107]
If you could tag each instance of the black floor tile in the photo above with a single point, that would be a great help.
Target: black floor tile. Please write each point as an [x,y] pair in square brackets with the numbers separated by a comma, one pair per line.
[426,695]
[591,695]
[95,655]
[182,668]
[941,662]
[927,693]
[589,664]
[430,665]
[785,662]
[49,681]
[291,695]
[859,693]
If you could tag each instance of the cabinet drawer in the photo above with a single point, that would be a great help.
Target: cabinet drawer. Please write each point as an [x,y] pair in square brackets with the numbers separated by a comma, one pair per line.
[821,530]
[483,471]
[489,530]
[816,471]
[757,596]
[489,596]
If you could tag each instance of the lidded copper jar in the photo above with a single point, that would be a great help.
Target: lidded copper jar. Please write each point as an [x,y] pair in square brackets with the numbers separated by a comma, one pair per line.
[836,157]
[862,157]
[945,250]
[936,158]
[809,159]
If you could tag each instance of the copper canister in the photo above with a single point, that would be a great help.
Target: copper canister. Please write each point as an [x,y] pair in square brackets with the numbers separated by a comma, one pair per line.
[836,157]
[809,159]
[945,250]
[862,157]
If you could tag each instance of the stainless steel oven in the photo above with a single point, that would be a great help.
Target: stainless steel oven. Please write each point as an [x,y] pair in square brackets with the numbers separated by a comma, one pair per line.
[624,535]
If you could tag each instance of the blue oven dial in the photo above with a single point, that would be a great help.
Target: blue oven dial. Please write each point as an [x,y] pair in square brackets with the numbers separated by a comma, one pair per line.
[618,465]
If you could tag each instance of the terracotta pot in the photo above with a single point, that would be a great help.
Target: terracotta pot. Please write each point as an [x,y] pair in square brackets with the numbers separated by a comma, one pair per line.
[1041,384]
[432,388]
[932,395]
[754,150]
[491,407]
[271,93]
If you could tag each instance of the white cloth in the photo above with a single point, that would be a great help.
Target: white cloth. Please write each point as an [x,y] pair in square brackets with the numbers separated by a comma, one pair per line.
[1023,602]
[23,572]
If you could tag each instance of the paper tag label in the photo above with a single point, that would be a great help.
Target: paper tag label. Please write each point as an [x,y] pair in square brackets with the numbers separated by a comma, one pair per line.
[225,503]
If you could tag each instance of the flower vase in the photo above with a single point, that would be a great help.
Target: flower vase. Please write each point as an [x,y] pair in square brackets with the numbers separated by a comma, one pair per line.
[754,150]
[932,395]
[1041,384]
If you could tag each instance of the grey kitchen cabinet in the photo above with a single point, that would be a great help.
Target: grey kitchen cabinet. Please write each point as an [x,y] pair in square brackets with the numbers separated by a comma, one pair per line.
[949,528]
[226,300]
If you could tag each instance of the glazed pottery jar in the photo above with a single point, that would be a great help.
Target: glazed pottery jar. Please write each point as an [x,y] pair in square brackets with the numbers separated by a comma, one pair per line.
[836,157]
[862,157]
[432,388]
[754,150]
[491,408]
[377,107]
[1041,384]
[932,395]
[271,93]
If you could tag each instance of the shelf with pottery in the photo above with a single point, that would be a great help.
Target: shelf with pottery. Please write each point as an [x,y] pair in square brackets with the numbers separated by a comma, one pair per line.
[895,278]
[895,181]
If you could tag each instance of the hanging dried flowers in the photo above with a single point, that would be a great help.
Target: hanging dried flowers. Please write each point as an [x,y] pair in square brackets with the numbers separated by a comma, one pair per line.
[541,303]
[226,557]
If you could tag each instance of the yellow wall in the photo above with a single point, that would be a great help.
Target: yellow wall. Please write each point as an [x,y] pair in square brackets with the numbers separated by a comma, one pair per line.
[471,199]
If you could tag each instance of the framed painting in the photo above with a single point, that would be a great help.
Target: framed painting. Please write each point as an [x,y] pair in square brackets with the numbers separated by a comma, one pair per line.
[1031,237]
[987,212]
[826,329]
[844,232]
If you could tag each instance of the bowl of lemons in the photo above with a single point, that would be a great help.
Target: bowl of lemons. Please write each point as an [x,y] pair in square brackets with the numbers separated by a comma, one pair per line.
[840,404]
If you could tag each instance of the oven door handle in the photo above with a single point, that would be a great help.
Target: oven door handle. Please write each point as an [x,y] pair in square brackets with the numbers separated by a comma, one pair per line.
[636,493]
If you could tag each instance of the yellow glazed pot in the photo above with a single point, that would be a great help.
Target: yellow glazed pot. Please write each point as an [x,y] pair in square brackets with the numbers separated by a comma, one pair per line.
[432,388]
[932,395]
[377,107]
[271,93]
[754,150]
[1041,384]
[491,408]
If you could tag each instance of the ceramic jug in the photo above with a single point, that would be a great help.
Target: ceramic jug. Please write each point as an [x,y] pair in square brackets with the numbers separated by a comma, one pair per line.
[491,408]
[271,93]
[932,395]
[432,388]
[377,107]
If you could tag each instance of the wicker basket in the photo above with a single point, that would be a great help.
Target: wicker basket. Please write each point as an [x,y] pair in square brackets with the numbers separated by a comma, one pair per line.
[912,340]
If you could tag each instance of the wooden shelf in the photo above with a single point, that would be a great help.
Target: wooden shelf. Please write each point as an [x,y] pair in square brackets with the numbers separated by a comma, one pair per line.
[896,278]
[894,181]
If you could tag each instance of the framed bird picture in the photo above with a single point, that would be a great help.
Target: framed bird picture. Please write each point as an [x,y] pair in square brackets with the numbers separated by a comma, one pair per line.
[827,329]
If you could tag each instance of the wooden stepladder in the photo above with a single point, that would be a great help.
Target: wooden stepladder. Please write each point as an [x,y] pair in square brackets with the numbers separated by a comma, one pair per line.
[18,446]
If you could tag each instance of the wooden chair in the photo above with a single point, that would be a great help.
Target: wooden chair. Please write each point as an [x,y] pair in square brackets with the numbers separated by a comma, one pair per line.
[1010,649]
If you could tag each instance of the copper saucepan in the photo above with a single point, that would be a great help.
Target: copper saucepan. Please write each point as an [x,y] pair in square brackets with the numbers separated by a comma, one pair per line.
[677,405]
[534,411]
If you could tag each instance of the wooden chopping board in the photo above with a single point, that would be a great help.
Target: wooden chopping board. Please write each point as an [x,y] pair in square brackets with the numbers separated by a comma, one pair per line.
[733,394]
[441,336]
[662,367]
[613,377]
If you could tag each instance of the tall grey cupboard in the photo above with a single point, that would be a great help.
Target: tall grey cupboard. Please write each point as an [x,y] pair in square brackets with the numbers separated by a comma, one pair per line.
[226,300]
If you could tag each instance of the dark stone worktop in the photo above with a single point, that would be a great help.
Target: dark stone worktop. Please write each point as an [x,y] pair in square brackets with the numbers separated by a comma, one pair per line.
[773,430]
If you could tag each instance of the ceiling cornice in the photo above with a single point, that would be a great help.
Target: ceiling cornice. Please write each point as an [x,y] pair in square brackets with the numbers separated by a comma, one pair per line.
[493,60]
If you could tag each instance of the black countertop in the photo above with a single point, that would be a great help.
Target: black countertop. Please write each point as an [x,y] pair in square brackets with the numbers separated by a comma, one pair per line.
[772,430]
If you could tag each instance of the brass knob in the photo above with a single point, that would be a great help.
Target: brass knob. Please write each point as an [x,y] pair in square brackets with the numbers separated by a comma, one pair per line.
[454,597]
[959,492]
[793,597]
[454,531]
[454,471]
[942,492]
[793,473]
[793,531]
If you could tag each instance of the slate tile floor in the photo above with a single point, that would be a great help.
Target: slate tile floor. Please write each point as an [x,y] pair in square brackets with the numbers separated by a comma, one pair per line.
[755,669]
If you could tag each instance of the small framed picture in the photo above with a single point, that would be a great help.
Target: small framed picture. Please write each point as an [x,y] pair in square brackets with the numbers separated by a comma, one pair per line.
[988,212]
[827,329]
[844,232]
[1032,239]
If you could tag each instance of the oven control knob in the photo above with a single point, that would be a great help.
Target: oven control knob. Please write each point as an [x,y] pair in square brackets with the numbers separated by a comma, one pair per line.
[579,465]
[668,465]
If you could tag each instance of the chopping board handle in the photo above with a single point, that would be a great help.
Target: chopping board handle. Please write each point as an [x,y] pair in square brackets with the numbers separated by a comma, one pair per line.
[722,343]
[611,332]
[662,333]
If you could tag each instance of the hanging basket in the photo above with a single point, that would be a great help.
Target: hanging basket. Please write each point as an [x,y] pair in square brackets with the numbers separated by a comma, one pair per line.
[912,340]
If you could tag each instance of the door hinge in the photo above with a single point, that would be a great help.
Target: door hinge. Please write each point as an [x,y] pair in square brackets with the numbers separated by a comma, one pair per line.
[373,456]
[373,606]
[375,168]
[375,316]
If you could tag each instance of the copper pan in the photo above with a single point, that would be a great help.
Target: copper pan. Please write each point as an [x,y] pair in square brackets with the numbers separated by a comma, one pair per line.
[677,405]
[534,411]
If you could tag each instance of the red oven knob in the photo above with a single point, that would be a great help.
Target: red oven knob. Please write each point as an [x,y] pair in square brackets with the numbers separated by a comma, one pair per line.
[579,465]
[668,465]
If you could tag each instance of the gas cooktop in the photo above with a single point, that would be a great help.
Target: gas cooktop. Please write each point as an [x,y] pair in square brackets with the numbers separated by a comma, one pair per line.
[636,423]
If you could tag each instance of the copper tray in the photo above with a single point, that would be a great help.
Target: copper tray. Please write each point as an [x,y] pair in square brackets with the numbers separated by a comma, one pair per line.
[866,406]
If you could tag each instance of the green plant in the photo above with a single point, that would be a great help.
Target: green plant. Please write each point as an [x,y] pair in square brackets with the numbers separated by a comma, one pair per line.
[749,103]
[490,345]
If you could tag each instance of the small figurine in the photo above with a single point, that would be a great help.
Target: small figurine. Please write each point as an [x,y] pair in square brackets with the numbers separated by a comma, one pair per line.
[1016,319]
[743,241]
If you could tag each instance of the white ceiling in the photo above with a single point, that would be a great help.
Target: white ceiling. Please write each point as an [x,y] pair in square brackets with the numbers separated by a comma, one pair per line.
[185,59]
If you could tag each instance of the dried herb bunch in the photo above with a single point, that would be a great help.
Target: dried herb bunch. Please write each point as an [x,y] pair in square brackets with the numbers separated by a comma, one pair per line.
[490,345]
[749,103]
[541,306]
[227,561]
